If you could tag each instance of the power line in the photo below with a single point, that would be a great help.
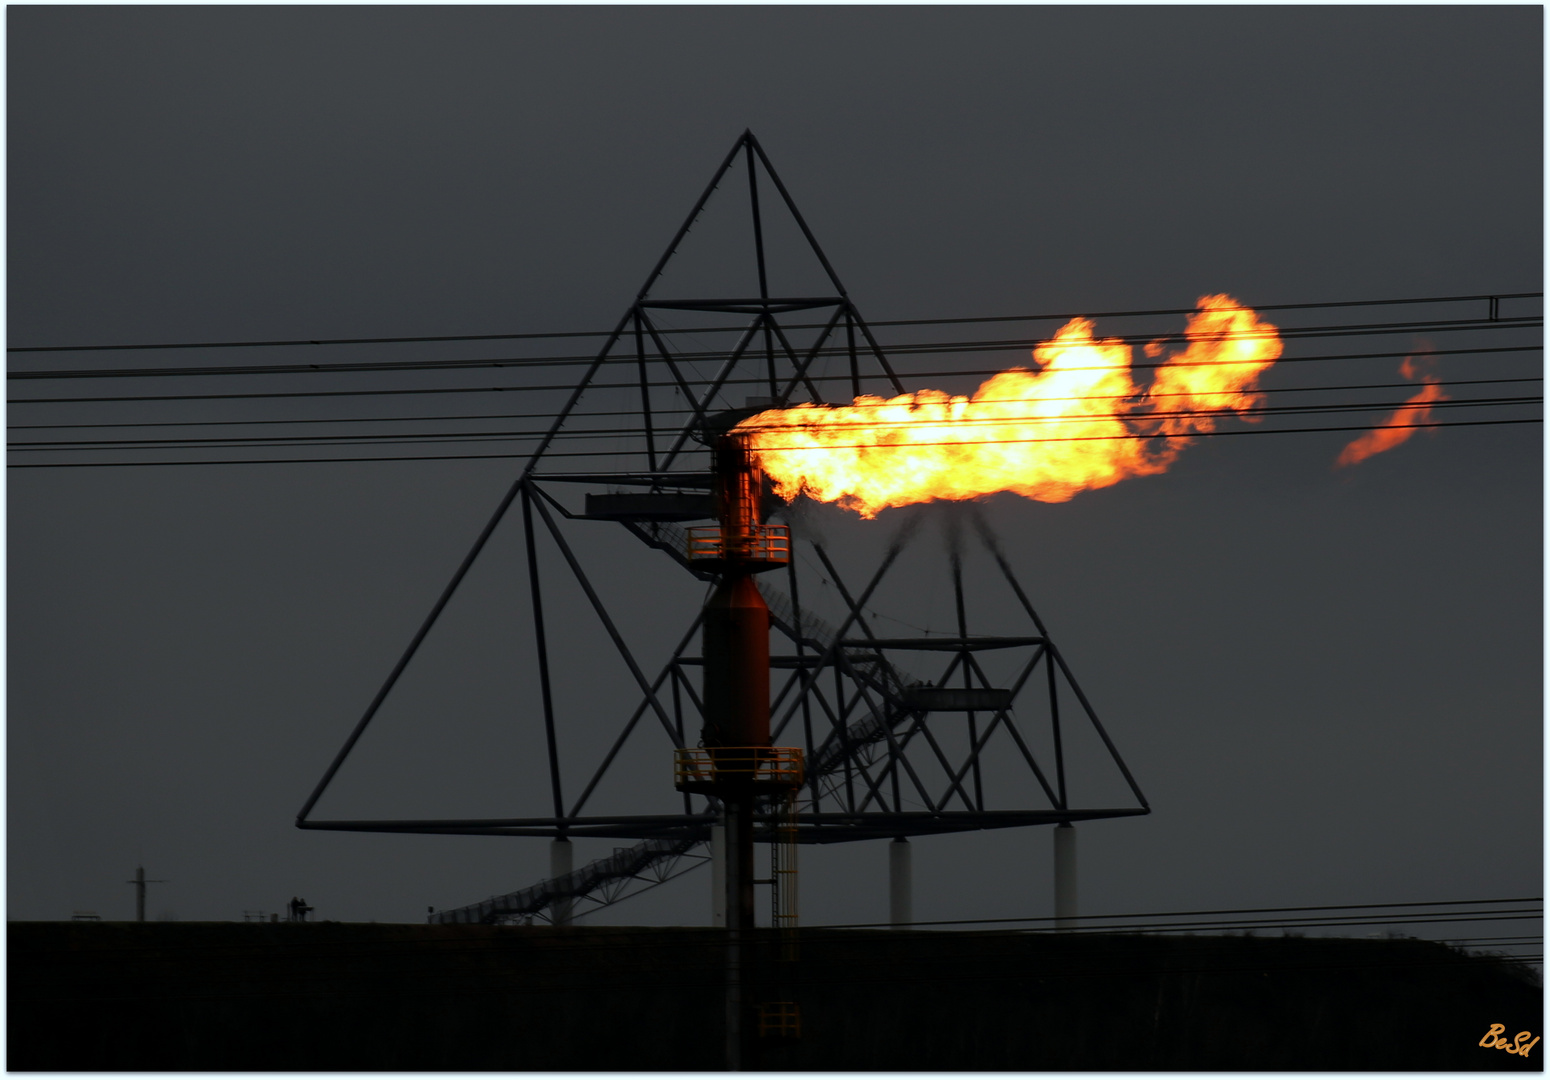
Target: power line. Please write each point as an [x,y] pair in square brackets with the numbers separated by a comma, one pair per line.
[888,322]
[689,412]
[749,381]
[39,446]
[303,394]
[901,349]
[636,453]
[675,937]
[1152,918]
[1182,435]
[1331,922]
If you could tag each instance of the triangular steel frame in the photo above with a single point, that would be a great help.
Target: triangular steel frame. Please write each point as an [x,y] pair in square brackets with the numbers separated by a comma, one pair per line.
[862,781]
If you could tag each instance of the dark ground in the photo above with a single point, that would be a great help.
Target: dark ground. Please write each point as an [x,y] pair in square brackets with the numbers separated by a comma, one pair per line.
[343,996]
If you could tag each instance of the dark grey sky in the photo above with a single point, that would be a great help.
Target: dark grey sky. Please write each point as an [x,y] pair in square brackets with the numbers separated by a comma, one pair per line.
[1328,683]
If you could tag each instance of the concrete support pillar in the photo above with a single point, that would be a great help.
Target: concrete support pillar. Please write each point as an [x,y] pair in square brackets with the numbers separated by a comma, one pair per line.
[1065,876]
[901,908]
[718,875]
[560,864]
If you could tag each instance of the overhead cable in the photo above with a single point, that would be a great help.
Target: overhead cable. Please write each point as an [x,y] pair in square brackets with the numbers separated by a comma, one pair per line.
[689,412]
[880,425]
[886,322]
[899,349]
[638,453]
[747,381]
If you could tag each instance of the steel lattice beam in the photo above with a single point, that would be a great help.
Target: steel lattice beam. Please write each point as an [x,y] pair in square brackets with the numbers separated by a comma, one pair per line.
[863,721]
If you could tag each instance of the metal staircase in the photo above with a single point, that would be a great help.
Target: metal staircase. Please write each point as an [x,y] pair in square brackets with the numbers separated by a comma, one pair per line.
[602,882]
[633,870]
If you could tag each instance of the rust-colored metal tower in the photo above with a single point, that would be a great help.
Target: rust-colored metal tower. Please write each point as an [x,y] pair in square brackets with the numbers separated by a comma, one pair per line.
[735,761]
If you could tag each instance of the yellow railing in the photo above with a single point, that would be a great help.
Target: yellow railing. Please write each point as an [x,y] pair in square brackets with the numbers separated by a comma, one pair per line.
[767,544]
[701,768]
[780,1019]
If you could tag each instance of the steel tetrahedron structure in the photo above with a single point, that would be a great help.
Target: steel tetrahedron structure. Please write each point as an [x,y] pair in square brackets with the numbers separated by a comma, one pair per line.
[865,712]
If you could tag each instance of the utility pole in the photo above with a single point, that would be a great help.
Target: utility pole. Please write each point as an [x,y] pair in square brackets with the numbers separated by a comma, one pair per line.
[139,881]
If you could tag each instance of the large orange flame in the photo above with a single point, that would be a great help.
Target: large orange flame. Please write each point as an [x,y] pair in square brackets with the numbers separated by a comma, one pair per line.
[1402,423]
[1076,422]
